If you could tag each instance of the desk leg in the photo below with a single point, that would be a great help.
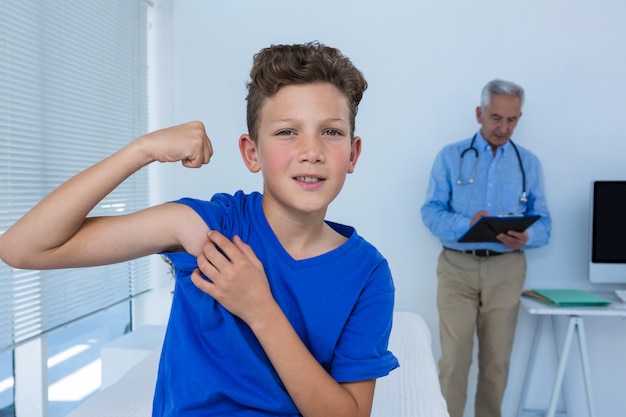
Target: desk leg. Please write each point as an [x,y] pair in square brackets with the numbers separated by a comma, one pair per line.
[567,344]
[521,409]
[575,325]
[529,367]
[585,364]
[557,352]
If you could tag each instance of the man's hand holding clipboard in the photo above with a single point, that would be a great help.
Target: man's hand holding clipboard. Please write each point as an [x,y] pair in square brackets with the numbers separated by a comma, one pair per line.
[509,229]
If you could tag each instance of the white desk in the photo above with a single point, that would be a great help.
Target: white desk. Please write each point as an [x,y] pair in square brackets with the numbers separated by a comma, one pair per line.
[575,325]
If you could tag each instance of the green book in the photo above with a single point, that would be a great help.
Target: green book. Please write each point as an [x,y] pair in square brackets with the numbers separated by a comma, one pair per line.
[566,297]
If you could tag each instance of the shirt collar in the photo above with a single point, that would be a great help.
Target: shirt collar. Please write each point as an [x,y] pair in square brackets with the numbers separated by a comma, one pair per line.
[483,146]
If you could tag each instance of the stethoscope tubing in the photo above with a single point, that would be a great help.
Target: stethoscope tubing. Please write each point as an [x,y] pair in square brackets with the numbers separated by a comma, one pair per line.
[523,197]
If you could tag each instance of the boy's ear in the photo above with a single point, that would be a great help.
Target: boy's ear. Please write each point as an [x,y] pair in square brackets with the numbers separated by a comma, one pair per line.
[249,152]
[354,153]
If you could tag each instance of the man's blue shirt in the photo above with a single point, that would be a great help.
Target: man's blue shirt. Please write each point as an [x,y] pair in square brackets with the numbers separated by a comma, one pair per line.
[496,188]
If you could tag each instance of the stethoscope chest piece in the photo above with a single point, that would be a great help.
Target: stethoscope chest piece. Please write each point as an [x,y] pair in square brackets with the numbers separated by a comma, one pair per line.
[470,179]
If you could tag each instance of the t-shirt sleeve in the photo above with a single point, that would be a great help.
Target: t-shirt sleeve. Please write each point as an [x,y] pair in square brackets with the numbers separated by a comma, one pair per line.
[362,350]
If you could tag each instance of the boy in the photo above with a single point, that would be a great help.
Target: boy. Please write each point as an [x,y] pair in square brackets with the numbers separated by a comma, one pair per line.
[275,311]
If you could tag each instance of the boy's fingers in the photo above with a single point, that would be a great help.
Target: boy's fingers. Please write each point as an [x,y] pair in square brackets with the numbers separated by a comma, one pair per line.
[200,282]
[246,250]
[208,151]
[192,162]
[228,250]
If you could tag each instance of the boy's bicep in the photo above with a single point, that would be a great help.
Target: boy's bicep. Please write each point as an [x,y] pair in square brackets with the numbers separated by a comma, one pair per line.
[166,227]
[186,229]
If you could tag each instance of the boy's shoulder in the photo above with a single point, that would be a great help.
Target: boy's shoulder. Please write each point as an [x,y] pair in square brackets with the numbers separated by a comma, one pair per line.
[232,208]
[356,244]
[228,200]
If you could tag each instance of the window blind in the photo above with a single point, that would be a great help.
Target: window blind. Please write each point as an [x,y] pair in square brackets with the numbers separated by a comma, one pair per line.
[73,89]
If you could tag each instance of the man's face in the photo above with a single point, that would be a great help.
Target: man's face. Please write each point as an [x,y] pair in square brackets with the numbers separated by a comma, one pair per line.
[499,118]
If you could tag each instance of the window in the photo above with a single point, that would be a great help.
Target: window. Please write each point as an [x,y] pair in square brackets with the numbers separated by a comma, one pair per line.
[6,384]
[73,89]
[74,362]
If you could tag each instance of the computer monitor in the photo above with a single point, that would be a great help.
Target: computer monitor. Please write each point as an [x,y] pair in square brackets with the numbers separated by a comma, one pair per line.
[607,249]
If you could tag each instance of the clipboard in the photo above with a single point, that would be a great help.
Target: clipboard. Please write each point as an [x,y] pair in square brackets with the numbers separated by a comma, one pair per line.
[487,228]
[566,297]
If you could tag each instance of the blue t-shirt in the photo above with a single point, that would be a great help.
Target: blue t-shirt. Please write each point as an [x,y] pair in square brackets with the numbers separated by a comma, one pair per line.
[340,304]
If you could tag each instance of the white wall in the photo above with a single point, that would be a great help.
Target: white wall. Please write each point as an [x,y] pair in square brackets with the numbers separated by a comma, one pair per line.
[426,63]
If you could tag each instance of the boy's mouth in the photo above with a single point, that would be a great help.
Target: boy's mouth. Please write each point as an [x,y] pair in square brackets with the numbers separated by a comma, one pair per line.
[308,179]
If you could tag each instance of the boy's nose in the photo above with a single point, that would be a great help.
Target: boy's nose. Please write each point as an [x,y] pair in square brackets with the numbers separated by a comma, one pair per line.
[311,150]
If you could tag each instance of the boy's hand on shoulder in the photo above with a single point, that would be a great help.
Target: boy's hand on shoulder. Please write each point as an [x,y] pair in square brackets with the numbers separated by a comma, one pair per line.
[187,143]
[237,278]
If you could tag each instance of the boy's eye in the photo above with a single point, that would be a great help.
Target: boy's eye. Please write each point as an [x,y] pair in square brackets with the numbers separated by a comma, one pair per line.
[285,133]
[332,132]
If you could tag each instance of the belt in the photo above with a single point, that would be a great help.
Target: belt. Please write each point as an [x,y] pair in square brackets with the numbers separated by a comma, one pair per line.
[483,253]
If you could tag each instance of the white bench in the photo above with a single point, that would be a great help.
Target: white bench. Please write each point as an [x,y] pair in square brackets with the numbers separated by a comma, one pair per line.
[409,391]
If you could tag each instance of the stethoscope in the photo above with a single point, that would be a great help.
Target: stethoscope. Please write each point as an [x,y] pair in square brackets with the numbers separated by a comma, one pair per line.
[523,197]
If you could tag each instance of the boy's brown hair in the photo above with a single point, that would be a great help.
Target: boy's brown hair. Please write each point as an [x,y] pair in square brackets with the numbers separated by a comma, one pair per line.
[281,65]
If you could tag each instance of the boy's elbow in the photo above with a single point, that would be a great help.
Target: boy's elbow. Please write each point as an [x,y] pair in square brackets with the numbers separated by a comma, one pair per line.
[10,259]
[11,256]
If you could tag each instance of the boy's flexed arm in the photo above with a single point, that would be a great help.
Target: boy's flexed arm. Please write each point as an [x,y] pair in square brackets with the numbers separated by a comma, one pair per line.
[56,233]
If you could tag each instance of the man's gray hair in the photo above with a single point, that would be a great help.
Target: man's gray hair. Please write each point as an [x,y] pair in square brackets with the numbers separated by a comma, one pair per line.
[500,87]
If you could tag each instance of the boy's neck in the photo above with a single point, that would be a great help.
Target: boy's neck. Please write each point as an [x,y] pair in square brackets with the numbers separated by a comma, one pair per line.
[304,237]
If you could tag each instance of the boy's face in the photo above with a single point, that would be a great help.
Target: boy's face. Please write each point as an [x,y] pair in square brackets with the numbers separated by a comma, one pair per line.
[303,149]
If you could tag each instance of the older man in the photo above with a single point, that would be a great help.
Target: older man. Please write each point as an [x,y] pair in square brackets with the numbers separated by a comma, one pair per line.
[479,283]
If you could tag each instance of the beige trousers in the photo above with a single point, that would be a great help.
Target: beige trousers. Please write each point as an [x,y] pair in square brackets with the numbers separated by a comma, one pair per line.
[482,295]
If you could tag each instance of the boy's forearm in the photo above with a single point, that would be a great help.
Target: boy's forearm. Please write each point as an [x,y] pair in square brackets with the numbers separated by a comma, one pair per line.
[313,390]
